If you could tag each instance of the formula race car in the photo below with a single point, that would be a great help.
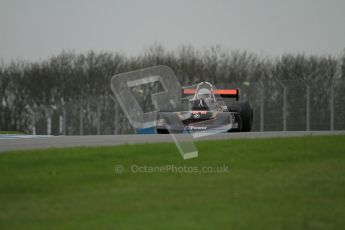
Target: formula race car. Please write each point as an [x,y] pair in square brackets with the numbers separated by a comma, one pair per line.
[207,109]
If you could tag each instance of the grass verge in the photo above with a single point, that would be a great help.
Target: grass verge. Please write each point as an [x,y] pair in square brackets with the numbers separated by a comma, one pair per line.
[280,183]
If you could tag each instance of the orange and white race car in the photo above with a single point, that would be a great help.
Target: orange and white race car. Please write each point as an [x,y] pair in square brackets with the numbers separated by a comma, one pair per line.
[207,109]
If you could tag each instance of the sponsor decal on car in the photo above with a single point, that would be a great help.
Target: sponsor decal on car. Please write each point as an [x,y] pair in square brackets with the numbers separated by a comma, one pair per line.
[200,112]
[197,114]
[190,127]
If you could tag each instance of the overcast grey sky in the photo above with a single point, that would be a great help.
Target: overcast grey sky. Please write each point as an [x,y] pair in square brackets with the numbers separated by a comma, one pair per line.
[36,29]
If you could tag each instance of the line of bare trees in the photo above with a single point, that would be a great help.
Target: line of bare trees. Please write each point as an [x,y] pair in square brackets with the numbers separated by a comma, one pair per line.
[69,83]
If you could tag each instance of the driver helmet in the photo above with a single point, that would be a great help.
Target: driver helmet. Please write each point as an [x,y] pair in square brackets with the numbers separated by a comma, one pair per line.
[204,94]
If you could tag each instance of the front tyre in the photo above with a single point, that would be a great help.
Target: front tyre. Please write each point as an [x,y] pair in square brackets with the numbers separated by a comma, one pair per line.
[162,131]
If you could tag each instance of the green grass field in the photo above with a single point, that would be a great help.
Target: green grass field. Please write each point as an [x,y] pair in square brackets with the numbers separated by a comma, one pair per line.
[281,183]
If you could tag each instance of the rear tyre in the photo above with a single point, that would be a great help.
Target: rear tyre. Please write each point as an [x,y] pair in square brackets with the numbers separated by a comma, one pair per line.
[246,115]
[245,111]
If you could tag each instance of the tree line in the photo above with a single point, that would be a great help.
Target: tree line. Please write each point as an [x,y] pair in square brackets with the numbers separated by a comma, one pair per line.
[82,80]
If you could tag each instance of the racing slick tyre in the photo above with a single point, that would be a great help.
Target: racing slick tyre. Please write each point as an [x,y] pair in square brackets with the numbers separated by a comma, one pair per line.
[245,111]
[246,114]
[162,131]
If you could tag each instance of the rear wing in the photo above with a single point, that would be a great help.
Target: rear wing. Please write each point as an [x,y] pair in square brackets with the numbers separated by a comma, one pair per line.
[225,93]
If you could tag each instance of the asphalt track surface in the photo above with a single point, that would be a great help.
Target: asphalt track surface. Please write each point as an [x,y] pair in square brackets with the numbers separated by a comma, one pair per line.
[22,142]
